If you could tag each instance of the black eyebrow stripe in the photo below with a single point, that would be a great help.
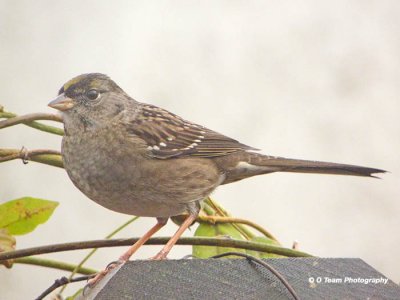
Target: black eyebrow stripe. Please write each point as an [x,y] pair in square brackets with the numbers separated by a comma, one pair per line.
[61,90]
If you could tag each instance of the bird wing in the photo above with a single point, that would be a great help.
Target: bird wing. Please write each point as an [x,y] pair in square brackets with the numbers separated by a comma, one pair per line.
[168,135]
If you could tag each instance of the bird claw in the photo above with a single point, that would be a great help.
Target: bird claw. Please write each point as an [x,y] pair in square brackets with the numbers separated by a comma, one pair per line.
[160,256]
[112,265]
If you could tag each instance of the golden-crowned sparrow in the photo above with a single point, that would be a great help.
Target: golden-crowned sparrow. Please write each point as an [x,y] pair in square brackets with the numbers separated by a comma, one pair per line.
[140,159]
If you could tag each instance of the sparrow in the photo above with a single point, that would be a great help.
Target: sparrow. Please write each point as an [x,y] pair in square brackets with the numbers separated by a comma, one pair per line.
[139,159]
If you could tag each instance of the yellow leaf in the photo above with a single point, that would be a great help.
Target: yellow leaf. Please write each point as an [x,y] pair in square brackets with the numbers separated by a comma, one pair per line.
[21,216]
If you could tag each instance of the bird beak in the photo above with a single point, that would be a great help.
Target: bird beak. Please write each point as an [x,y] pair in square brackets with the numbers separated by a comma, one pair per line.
[62,103]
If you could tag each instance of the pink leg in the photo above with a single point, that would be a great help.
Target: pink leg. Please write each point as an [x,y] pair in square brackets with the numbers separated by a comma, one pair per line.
[125,257]
[168,246]
[160,223]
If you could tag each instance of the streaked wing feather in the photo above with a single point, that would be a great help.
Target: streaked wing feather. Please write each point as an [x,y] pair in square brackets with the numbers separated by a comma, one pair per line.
[168,135]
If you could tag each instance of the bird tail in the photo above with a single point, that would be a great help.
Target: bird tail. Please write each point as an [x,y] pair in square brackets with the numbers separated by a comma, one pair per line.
[250,164]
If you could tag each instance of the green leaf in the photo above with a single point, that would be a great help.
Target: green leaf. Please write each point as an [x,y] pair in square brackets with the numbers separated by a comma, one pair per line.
[21,216]
[215,230]
[264,240]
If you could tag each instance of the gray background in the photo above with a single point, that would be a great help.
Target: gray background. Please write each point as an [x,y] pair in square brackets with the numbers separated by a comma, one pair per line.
[303,79]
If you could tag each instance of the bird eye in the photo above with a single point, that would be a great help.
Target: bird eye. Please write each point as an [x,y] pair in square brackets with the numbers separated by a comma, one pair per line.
[92,94]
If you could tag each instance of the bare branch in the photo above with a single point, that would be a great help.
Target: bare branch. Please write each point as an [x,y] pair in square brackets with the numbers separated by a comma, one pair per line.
[45,156]
[29,120]
[218,219]
[204,241]
[60,265]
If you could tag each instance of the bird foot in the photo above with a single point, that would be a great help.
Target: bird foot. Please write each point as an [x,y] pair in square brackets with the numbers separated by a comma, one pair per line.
[160,256]
[112,265]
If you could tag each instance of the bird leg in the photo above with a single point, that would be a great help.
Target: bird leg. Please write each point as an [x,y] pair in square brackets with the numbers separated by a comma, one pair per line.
[160,255]
[160,224]
[132,249]
[168,246]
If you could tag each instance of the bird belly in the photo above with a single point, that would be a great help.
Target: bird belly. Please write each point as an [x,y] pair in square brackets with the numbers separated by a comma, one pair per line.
[136,185]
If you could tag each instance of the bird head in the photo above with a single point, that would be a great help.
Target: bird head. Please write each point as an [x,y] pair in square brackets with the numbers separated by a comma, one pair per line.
[90,100]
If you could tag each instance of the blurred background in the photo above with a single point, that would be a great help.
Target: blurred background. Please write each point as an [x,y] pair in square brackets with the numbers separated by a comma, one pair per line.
[307,79]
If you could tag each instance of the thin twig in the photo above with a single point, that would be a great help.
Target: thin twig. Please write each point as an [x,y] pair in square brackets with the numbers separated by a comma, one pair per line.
[60,282]
[29,120]
[45,156]
[48,263]
[218,219]
[203,241]
[247,234]
[265,265]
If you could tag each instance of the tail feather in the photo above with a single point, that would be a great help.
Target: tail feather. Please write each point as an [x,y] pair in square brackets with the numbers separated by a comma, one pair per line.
[246,164]
[281,164]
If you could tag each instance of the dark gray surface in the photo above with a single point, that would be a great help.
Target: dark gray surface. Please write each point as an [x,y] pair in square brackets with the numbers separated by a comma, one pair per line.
[241,279]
